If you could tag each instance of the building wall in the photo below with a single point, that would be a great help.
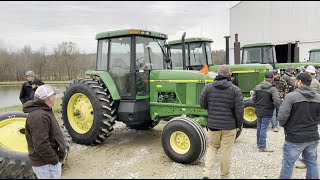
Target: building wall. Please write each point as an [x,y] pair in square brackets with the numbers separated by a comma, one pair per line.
[277,22]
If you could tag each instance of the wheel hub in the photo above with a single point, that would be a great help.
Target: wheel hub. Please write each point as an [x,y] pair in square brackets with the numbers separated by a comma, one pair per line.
[250,114]
[80,113]
[180,142]
[12,134]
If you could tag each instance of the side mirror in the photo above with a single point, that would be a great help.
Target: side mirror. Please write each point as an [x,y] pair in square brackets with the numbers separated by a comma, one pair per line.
[167,59]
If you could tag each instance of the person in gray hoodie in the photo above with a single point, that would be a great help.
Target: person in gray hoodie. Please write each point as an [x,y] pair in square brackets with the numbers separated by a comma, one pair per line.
[266,98]
[299,115]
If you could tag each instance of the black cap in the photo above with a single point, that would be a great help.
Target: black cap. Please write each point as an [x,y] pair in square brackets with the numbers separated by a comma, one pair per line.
[269,74]
[305,78]
[37,82]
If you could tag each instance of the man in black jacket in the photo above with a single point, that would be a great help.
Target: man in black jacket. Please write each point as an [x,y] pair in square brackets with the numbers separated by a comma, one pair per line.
[266,98]
[224,103]
[299,115]
[46,145]
[27,92]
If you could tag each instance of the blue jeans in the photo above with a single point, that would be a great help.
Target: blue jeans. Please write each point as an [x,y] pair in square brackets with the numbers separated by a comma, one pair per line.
[262,128]
[48,171]
[291,153]
[274,120]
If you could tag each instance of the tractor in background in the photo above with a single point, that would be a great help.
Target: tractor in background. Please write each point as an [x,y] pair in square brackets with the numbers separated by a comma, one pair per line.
[245,76]
[134,83]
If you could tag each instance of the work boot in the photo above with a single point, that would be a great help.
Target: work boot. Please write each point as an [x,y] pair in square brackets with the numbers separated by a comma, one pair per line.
[300,165]
[205,177]
[265,150]
[275,129]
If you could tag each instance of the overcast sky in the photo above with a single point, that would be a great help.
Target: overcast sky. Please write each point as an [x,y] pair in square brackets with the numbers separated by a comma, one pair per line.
[49,23]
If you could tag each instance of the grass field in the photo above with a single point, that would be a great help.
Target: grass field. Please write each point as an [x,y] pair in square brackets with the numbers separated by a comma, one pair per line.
[19,83]
[56,108]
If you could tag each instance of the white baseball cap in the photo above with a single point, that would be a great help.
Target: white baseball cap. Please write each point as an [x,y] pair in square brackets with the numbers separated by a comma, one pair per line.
[44,91]
[311,69]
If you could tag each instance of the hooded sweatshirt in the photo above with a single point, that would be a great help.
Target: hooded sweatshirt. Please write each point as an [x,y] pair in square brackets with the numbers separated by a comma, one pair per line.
[224,103]
[299,115]
[45,140]
[266,98]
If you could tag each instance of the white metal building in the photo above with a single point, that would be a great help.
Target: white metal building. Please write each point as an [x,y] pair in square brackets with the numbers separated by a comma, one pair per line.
[276,22]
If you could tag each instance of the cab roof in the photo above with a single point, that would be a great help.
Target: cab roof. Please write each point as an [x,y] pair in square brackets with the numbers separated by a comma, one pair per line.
[190,40]
[128,32]
[257,45]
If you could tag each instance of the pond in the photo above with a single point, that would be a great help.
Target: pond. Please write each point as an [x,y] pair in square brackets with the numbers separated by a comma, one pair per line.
[9,95]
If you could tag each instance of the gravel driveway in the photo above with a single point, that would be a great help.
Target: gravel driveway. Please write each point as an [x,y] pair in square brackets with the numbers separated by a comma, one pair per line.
[132,154]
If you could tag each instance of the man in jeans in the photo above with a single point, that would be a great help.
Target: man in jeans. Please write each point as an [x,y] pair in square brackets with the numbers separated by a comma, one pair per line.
[224,103]
[266,98]
[46,145]
[299,115]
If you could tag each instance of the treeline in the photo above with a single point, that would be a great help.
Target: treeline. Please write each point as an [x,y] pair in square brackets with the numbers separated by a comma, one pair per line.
[66,62]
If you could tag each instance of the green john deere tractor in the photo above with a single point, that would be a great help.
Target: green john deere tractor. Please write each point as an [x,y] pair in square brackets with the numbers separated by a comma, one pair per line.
[265,53]
[245,76]
[134,83]
[314,56]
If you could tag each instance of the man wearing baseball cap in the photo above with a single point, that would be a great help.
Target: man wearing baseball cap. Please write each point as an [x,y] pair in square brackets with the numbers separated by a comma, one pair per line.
[266,98]
[315,85]
[46,145]
[299,115]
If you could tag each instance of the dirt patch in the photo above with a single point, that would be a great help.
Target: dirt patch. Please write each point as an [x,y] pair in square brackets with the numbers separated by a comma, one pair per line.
[132,154]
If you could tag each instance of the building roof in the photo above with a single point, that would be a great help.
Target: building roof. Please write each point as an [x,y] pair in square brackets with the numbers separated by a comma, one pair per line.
[235,5]
[126,32]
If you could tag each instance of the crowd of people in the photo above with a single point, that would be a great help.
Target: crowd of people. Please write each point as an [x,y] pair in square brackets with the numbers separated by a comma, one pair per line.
[290,101]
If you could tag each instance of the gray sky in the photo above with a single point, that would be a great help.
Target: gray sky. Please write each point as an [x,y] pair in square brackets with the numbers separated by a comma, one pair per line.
[50,23]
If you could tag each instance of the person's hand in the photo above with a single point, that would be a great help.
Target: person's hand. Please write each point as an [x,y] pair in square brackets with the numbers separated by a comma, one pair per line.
[238,129]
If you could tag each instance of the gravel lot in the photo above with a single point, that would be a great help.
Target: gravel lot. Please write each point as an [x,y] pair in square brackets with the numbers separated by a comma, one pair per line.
[131,154]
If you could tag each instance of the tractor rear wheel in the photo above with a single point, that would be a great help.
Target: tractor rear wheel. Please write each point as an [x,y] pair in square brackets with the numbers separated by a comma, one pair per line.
[88,111]
[183,140]
[249,115]
[14,160]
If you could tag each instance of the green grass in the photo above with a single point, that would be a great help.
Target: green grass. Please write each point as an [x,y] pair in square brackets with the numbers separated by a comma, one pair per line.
[19,83]
[56,108]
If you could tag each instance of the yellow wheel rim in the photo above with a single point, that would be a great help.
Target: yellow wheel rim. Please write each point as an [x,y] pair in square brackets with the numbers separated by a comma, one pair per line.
[12,134]
[80,113]
[180,142]
[250,114]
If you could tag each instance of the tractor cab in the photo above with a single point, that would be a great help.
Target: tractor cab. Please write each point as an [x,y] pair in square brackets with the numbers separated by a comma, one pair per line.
[263,53]
[198,52]
[314,55]
[127,52]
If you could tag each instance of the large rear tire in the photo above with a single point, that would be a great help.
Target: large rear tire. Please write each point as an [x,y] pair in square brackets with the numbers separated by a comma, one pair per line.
[249,115]
[183,140]
[88,111]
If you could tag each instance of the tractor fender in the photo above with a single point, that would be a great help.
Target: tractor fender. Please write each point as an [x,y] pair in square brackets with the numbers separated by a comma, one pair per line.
[106,78]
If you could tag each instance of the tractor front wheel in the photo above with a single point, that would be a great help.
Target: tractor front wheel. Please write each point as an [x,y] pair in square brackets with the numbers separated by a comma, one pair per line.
[183,140]
[249,115]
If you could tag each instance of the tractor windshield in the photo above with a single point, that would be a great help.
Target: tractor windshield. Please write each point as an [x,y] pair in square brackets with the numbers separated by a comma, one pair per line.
[199,54]
[314,56]
[149,53]
[260,55]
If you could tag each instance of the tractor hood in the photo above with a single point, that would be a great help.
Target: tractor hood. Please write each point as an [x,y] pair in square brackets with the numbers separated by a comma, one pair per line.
[245,68]
[180,76]
[295,65]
